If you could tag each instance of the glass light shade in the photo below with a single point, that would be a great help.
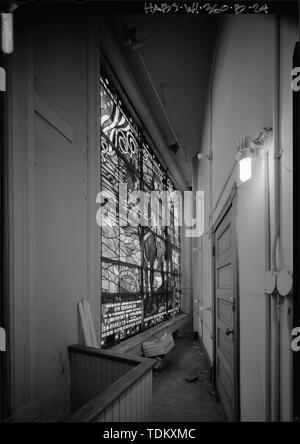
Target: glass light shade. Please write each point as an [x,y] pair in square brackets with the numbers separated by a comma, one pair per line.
[245,169]
[7,32]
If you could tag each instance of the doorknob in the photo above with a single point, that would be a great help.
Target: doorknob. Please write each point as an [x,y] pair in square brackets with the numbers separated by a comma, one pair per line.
[229,332]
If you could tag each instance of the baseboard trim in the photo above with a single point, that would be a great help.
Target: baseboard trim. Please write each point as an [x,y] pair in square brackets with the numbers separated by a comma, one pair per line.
[207,357]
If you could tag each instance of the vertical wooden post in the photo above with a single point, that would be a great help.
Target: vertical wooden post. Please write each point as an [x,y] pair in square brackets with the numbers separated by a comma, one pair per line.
[21,238]
[93,172]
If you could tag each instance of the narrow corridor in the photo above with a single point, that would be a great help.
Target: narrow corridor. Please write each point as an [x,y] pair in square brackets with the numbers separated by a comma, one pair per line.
[174,398]
[147,181]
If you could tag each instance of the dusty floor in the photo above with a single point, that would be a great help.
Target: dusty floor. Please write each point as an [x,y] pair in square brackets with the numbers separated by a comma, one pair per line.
[175,399]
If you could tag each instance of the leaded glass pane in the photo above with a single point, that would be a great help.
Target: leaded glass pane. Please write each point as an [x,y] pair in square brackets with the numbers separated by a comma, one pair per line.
[140,261]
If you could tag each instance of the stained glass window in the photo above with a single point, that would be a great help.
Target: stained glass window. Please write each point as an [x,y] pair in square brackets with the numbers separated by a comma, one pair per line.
[140,265]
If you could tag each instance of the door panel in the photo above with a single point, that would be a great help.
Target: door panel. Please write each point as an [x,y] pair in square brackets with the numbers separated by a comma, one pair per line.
[225,314]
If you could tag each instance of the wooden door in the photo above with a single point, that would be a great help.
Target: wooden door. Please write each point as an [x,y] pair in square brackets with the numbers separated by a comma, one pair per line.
[225,314]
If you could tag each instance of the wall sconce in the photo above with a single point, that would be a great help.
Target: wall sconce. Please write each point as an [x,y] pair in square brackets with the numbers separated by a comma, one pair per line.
[7,32]
[246,152]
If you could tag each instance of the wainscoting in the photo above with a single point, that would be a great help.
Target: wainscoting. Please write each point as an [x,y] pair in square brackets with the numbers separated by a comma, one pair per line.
[107,386]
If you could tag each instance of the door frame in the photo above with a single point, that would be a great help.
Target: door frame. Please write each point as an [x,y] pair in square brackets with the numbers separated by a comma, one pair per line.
[4,299]
[230,203]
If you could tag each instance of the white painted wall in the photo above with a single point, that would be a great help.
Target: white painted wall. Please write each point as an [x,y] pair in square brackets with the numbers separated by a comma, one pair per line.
[60,66]
[288,38]
[187,273]
[242,105]
[52,167]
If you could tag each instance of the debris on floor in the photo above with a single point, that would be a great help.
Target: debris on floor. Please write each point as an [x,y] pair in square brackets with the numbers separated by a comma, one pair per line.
[161,362]
[159,348]
[182,390]
[191,378]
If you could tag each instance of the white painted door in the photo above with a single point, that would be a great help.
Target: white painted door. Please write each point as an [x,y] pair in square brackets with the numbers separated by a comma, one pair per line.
[225,328]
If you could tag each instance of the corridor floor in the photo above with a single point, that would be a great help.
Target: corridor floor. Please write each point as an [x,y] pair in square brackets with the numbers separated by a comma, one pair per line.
[174,398]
